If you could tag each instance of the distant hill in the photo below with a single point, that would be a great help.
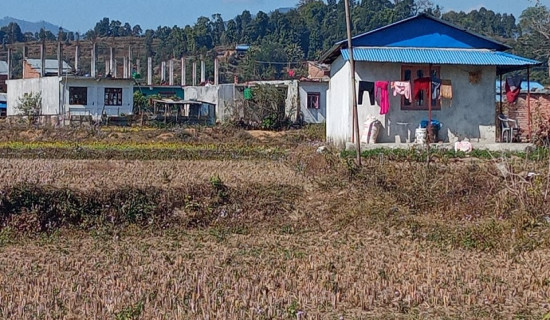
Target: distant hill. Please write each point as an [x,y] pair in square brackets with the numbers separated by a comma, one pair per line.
[33,27]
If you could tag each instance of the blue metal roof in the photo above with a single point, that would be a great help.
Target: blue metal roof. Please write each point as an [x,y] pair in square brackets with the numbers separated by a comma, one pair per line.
[242,47]
[424,31]
[482,57]
[534,86]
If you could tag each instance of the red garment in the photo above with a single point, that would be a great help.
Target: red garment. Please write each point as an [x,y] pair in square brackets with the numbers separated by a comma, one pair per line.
[421,84]
[512,94]
[381,91]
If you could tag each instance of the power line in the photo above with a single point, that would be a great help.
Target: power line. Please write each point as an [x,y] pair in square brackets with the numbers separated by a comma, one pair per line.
[279,62]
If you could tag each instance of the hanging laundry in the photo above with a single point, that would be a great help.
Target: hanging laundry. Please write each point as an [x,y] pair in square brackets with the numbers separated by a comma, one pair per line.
[247,94]
[446,89]
[402,88]
[436,88]
[513,88]
[382,93]
[366,86]
[421,84]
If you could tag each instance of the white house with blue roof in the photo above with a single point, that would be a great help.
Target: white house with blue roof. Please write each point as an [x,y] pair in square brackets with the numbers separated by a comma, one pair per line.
[453,68]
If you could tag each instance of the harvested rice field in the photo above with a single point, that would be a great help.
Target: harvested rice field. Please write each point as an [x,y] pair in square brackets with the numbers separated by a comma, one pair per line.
[297,234]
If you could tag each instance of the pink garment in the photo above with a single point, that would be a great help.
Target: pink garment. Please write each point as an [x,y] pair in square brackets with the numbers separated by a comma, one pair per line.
[382,95]
[402,87]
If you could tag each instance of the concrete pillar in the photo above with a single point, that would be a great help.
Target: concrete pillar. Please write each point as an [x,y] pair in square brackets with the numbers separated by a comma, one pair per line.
[107,68]
[163,71]
[203,72]
[125,67]
[112,59]
[138,66]
[194,73]
[93,70]
[115,68]
[42,58]
[25,56]
[171,72]
[9,64]
[216,71]
[59,58]
[183,72]
[129,61]
[149,71]
[76,58]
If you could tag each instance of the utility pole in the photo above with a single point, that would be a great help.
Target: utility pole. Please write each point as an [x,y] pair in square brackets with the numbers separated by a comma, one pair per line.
[353,89]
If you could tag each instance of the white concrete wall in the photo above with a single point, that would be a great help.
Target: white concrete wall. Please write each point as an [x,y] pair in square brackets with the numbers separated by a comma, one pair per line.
[96,97]
[292,100]
[227,96]
[48,87]
[208,94]
[314,115]
[339,116]
[471,115]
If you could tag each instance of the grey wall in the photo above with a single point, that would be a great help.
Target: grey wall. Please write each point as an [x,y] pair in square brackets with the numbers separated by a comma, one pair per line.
[313,115]
[471,115]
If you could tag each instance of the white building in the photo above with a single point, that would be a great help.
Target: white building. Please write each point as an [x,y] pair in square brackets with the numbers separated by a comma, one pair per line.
[313,100]
[308,97]
[68,96]
[418,51]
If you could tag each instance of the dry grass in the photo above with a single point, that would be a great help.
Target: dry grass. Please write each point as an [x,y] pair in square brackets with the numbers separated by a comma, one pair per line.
[83,174]
[197,275]
[307,237]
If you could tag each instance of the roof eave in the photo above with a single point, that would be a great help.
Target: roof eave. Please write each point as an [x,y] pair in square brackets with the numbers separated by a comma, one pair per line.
[332,54]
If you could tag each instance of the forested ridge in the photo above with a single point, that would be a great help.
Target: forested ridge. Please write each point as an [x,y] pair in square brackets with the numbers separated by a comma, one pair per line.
[288,38]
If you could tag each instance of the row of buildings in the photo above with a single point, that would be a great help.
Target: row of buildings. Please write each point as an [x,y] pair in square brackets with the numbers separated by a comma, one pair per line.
[418,69]
[67,96]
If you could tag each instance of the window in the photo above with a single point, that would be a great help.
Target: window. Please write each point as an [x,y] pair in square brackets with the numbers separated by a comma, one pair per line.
[78,95]
[113,96]
[313,100]
[415,74]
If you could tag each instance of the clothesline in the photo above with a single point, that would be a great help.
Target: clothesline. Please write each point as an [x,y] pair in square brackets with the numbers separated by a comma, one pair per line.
[379,90]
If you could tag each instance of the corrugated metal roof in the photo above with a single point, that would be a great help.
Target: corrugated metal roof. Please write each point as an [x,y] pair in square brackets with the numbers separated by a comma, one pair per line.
[534,86]
[480,57]
[242,47]
[3,68]
[51,65]
[404,27]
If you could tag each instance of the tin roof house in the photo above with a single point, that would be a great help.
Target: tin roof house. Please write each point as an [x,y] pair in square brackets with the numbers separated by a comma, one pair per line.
[415,71]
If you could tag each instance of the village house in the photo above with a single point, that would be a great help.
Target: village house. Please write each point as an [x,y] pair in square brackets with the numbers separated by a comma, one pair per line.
[416,71]
[74,96]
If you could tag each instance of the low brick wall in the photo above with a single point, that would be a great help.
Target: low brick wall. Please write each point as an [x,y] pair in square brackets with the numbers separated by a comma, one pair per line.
[540,110]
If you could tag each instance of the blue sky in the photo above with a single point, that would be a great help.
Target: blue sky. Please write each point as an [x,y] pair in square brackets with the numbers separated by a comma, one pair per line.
[82,15]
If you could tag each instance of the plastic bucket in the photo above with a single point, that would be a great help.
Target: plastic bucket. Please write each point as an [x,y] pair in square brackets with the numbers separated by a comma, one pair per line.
[420,135]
